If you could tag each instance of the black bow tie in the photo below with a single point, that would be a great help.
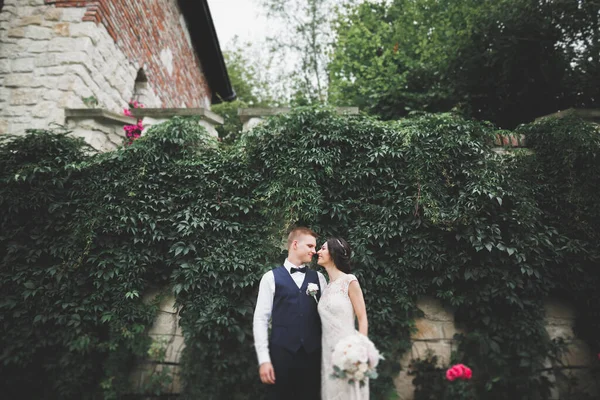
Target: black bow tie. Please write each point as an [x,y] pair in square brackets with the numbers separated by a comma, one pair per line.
[301,270]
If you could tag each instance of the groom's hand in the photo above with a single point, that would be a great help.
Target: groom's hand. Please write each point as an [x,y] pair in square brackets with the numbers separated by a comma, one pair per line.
[267,373]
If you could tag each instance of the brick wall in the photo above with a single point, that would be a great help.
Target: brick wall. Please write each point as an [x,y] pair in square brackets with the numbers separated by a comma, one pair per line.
[152,33]
[55,56]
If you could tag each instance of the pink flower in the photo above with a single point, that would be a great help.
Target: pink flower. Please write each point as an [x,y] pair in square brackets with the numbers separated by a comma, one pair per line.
[451,374]
[468,373]
[127,112]
[459,371]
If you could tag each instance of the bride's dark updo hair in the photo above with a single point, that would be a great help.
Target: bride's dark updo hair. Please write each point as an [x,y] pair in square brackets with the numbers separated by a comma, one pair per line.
[340,253]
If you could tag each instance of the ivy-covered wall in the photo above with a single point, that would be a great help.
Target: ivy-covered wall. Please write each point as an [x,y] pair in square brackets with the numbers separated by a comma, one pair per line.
[429,208]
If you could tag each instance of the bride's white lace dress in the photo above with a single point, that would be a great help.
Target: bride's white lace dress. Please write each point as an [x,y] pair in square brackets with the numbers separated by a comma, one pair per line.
[337,321]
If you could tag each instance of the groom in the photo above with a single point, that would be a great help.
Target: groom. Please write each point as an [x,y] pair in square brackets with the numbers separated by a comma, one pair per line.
[290,359]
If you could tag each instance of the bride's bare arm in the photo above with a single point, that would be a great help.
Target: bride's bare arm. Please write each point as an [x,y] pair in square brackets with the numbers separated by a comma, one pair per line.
[358,303]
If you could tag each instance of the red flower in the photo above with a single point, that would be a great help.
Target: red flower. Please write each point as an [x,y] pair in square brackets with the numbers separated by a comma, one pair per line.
[459,371]
[451,374]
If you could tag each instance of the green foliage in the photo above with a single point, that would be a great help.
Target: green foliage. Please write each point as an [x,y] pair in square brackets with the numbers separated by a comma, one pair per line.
[427,205]
[564,170]
[232,125]
[506,61]
[251,90]
[431,384]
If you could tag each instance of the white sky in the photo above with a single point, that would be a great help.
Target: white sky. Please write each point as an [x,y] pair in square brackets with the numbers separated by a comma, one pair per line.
[238,17]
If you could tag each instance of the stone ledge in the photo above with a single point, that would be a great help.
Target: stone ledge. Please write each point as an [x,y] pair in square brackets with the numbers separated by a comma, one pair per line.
[588,114]
[246,114]
[98,113]
[161,113]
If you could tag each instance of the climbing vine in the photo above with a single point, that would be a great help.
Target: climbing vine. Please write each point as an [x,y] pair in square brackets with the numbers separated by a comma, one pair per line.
[428,206]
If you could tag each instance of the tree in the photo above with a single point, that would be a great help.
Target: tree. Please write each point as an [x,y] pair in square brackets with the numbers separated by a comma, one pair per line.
[250,79]
[507,61]
[305,37]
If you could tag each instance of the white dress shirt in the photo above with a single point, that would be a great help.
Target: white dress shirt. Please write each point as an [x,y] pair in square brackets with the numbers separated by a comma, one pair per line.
[264,308]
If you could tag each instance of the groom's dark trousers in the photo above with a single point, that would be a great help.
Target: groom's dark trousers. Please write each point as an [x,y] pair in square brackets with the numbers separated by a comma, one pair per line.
[295,342]
[297,375]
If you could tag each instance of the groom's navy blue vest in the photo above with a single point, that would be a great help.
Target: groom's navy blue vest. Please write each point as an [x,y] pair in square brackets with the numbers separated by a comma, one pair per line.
[295,319]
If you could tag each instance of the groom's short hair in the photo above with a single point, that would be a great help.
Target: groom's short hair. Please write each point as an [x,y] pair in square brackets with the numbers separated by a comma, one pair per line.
[298,231]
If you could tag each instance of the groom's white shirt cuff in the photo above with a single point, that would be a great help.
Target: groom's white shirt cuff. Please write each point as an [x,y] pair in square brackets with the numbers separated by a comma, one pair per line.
[264,307]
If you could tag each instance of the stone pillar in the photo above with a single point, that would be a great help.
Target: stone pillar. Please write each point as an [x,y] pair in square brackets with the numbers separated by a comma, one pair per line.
[101,129]
[575,364]
[434,332]
[167,340]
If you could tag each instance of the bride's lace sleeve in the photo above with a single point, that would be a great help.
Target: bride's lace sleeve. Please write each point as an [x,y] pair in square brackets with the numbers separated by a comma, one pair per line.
[346,283]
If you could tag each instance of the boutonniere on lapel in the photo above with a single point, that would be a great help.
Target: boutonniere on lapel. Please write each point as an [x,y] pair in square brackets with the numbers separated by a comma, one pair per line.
[312,291]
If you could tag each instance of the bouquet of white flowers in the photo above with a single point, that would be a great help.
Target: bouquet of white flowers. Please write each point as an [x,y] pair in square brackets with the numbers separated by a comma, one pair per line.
[355,358]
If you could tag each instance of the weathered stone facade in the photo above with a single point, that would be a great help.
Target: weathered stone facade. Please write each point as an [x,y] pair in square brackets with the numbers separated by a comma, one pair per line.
[434,331]
[72,54]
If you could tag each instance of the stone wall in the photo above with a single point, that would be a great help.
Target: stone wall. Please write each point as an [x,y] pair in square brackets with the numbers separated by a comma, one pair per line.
[166,334]
[74,54]
[434,331]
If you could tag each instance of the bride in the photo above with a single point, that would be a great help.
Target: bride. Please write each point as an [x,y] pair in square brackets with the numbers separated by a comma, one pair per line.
[341,301]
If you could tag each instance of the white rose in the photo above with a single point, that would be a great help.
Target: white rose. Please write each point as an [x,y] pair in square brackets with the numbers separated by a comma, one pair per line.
[313,288]
[363,367]
[359,376]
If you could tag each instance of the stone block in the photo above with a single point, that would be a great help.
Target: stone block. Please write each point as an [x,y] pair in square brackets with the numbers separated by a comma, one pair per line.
[89,30]
[4,66]
[4,94]
[174,349]
[426,329]
[43,109]
[583,379]
[28,47]
[22,65]
[61,29]
[3,126]
[209,127]
[24,97]
[405,390]
[72,14]
[37,32]
[564,331]
[53,14]
[16,33]
[52,71]
[557,310]
[96,139]
[442,349]
[66,82]
[8,50]
[251,124]
[15,111]
[52,95]
[434,310]
[66,44]
[164,324]
[22,80]
[578,354]
[30,20]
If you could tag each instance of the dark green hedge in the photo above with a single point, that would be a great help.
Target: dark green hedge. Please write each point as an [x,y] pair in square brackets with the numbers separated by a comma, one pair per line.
[427,205]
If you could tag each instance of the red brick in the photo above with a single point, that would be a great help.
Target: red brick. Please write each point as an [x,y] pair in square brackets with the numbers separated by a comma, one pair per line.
[142,30]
